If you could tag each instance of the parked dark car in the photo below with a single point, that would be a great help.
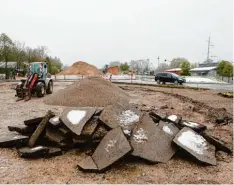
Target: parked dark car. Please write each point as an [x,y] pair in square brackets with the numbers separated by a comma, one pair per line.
[169,77]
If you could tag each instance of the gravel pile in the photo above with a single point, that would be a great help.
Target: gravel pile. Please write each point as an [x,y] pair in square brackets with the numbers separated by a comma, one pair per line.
[90,92]
[81,68]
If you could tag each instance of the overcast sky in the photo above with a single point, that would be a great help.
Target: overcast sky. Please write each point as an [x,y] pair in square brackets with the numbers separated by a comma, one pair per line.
[100,31]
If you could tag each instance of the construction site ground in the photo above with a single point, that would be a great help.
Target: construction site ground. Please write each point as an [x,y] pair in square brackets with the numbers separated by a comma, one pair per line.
[190,104]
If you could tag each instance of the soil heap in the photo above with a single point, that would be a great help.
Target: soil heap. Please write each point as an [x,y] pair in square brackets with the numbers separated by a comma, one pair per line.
[90,92]
[81,68]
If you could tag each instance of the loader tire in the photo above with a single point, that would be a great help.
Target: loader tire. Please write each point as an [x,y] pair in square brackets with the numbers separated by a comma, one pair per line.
[41,90]
[49,89]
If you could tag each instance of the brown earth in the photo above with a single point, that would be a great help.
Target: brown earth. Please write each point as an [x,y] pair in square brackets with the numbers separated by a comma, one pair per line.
[63,169]
[92,91]
[81,68]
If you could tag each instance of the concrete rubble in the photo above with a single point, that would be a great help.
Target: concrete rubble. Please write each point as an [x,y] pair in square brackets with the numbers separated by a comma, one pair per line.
[111,134]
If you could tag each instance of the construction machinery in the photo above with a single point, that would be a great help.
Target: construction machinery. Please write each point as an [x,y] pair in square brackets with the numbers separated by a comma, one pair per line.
[38,82]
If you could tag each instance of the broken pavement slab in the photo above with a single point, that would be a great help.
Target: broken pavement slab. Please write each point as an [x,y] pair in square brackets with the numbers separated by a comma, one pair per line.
[38,151]
[112,147]
[196,145]
[220,145]
[54,152]
[90,127]
[76,118]
[40,128]
[33,122]
[22,129]
[195,126]
[174,119]
[12,140]
[117,115]
[55,135]
[168,128]
[157,117]
[87,165]
[55,121]
[151,142]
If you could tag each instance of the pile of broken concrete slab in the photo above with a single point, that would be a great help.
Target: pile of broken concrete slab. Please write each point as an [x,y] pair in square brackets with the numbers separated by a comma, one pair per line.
[113,133]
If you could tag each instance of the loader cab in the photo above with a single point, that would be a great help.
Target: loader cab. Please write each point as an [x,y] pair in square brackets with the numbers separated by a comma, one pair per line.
[40,68]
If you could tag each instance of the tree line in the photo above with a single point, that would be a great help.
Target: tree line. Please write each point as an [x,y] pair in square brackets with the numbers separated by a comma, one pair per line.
[18,52]
[224,68]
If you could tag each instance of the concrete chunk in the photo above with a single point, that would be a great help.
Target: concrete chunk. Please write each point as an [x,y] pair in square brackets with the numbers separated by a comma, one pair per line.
[76,118]
[174,119]
[40,128]
[196,145]
[195,126]
[99,133]
[117,115]
[220,145]
[54,152]
[87,165]
[112,147]
[90,127]
[33,122]
[55,121]
[54,135]
[12,140]
[22,129]
[38,151]
[152,142]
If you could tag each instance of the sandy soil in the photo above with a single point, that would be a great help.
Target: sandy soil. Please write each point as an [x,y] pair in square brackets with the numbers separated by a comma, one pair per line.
[190,104]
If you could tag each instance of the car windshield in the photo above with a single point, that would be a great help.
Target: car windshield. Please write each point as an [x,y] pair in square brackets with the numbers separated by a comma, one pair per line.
[173,74]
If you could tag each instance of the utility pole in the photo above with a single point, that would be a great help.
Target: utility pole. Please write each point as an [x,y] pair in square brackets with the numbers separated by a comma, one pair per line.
[158,61]
[208,52]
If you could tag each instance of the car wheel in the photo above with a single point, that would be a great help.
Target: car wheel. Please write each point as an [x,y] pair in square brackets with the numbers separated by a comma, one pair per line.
[164,83]
[176,82]
[49,89]
[181,83]
[158,81]
[41,91]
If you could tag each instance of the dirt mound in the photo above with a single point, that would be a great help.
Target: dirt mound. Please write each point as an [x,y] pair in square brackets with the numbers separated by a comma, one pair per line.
[81,68]
[90,92]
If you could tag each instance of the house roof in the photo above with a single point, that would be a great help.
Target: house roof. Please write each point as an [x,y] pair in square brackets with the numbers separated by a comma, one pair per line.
[203,69]
[174,69]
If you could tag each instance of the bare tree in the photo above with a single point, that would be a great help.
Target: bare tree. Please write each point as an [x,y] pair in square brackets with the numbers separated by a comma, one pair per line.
[5,48]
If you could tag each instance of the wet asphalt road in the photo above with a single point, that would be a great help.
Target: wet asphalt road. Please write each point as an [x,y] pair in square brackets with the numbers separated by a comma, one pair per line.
[218,87]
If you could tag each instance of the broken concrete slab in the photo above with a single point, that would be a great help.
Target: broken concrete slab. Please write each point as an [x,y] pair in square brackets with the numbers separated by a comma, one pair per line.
[54,135]
[40,128]
[13,139]
[87,165]
[117,115]
[55,121]
[196,145]
[220,145]
[38,151]
[76,118]
[174,119]
[99,111]
[99,133]
[90,127]
[22,129]
[112,147]
[168,128]
[195,126]
[65,131]
[54,152]
[157,117]
[79,140]
[151,142]
[33,122]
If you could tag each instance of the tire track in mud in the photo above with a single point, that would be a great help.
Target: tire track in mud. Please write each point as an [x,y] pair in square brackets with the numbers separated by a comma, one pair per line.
[211,113]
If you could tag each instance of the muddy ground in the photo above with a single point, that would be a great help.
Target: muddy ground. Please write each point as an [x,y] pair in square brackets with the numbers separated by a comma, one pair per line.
[198,106]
